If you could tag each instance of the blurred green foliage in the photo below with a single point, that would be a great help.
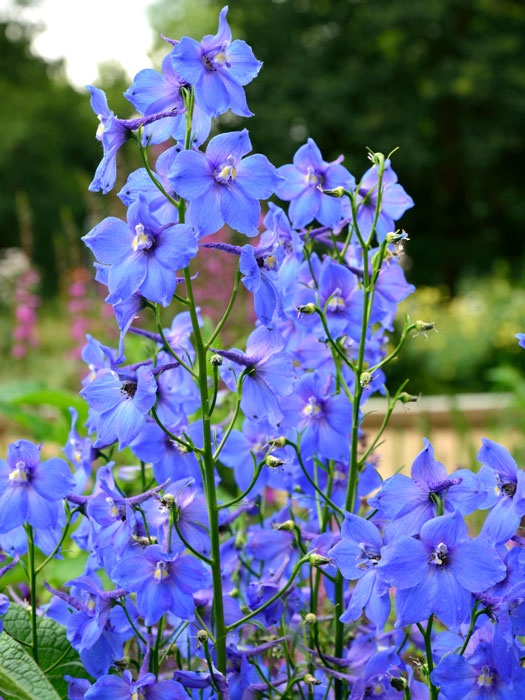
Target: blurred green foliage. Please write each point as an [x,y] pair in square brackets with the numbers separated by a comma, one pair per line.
[475,334]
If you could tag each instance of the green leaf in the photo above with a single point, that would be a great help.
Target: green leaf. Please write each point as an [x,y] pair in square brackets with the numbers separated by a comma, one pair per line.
[53,646]
[20,677]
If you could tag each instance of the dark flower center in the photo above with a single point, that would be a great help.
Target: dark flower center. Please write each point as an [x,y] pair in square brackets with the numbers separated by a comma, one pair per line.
[128,389]
[509,489]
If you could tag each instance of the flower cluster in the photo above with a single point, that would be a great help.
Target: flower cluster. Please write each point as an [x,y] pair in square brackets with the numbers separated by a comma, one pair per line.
[255,550]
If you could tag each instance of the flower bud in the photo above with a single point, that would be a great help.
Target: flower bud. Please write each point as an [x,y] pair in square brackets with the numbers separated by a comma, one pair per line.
[405,397]
[311,680]
[273,461]
[307,309]
[277,442]
[399,683]
[318,559]
[335,192]
[397,236]
[365,379]
[167,500]
[216,360]
[202,636]
[377,159]
[310,619]
[240,539]
[423,326]
[287,526]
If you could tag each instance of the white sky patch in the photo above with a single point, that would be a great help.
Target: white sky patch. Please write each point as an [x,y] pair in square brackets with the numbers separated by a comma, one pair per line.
[88,32]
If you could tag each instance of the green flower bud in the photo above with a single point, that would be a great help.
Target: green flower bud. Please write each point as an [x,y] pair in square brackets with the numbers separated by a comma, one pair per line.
[335,192]
[273,461]
[202,636]
[216,360]
[311,680]
[287,526]
[277,442]
[318,559]
[310,619]
[404,397]
[399,683]
[423,326]
[365,379]
[307,309]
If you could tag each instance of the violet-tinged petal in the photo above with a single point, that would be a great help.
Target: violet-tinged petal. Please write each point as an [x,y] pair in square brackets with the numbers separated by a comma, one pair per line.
[404,562]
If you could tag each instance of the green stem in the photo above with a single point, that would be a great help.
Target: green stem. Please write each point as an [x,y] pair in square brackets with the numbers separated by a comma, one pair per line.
[194,551]
[157,647]
[312,482]
[123,606]
[227,312]
[60,543]
[32,585]
[190,448]
[167,346]
[211,495]
[256,473]
[427,635]
[243,620]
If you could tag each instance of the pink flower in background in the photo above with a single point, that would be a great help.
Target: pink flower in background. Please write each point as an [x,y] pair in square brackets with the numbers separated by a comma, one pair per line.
[27,301]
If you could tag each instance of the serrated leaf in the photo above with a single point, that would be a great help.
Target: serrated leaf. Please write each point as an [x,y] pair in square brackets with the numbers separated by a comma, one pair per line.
[20,676]
[53,646]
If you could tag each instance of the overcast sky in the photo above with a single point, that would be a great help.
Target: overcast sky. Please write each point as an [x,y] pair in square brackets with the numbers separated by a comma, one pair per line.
[89,32]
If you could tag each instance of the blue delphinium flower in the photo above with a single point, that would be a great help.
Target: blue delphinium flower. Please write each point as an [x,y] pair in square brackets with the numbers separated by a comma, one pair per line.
[163,582]
[218,68]
[142,254]
[95,628]
[304,181]
[120,404]
[487,671]
[410,502]
[506,491]
[269,374]
[438,573]
[113,132]
[30,489]
[80,452]
[322,420]
[146,687]
[521,339]
[356,556]
[222,186]
[394,202]
[153,92]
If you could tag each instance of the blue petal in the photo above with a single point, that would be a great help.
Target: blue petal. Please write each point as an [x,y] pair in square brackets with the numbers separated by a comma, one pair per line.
[476,566]
[257,177]
[191,175]
[404,563]
[240,211]
[449,528]
[186,59]
[13,507]
[244,67]
[499,458]
[425,468]
[304,208]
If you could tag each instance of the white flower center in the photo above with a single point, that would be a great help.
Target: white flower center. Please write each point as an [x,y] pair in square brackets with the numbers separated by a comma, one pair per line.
[19,473]
[142,240]
[161,571]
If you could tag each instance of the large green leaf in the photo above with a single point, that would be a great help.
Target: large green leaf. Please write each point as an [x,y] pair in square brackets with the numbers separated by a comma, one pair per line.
[53,646]
[20,676]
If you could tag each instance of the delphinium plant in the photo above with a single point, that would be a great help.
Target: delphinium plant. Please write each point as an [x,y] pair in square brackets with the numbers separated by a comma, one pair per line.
[254,551]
